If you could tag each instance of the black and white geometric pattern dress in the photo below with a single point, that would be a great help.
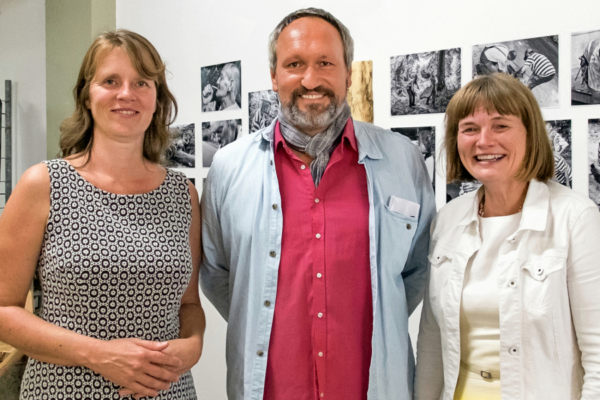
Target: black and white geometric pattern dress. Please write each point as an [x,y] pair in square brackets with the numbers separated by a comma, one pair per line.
[111,266]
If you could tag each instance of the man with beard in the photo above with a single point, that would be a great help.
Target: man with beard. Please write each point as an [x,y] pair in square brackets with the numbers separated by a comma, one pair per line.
[315,235]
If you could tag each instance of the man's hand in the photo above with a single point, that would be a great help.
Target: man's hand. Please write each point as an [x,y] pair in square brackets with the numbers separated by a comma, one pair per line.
[135,364]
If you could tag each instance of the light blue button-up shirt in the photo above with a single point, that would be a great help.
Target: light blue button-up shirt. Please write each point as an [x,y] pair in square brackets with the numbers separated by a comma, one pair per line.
[242,227]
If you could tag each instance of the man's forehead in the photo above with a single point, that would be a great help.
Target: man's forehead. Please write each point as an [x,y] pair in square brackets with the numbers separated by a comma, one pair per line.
[307,31]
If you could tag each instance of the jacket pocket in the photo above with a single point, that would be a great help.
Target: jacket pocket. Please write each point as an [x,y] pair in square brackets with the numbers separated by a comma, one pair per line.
[440,259]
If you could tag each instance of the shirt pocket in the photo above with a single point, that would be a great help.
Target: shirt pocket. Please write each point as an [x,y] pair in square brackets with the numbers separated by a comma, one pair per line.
[396,235]
[543,279]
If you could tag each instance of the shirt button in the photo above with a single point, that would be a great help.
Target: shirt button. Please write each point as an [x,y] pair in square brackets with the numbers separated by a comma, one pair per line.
[320,354]
[271,162]
[274,206]
[319,275]
[260,353]
[267,303]
[273,254]
[303,166]
[512,284]
[514,351]
[318,236]
[322,394]
[317,200]
[320,315]
[408,226]
[539,271]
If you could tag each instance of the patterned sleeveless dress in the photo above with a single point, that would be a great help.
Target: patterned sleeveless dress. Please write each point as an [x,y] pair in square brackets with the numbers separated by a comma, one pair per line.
[111,266]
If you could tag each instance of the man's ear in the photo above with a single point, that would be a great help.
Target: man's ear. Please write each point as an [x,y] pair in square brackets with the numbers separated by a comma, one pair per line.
[274,81]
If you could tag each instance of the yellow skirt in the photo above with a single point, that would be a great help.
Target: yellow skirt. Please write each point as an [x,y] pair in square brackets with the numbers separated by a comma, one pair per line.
[472,386]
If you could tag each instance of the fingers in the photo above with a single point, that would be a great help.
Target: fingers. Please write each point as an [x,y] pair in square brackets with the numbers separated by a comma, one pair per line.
[153,383]
[150,345]
[138,390]
[162,358]
[162,373]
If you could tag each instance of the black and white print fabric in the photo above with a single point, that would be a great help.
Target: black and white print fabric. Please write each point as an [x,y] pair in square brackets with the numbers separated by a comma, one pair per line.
[111,266]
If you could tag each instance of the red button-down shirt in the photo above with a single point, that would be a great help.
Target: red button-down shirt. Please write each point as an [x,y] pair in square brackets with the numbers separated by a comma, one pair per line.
[320,346]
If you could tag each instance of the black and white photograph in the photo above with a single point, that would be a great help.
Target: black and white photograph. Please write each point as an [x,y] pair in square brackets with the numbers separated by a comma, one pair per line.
[594,159]
[533,61]
[221,86]
[424,83]
[182,152]
[585,68]
[455,189]
[424,138]
[263,107]
[559,133]
[217,134]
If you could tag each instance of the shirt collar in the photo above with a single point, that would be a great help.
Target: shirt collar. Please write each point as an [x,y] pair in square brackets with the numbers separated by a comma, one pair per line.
[535,207]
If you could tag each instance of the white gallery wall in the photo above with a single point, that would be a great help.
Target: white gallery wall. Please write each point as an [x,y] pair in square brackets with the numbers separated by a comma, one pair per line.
[23,61]
[189,34]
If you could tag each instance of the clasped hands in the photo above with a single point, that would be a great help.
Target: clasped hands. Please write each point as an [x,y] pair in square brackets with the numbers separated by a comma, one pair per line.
[140,367]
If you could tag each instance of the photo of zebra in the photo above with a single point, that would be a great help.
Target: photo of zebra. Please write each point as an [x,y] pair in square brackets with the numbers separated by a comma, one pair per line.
[594,159]
[559,133]
[533,61]
[424,138]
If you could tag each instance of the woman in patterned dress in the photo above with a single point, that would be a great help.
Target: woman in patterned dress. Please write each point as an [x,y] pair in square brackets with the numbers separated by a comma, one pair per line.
[115,239]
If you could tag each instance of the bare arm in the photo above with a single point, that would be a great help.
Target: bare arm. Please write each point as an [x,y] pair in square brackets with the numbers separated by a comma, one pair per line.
[126,362]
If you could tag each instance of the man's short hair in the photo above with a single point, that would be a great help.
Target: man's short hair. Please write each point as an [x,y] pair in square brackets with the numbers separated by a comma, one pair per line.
[315,13]
[507,96]
[231,71]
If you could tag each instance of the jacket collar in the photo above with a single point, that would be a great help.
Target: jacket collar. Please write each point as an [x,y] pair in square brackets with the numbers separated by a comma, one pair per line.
[535,207]
[366,146]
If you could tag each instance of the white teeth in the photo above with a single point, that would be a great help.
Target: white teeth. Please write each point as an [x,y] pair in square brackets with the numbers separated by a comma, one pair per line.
[125,112]
[314,96]
[489,157]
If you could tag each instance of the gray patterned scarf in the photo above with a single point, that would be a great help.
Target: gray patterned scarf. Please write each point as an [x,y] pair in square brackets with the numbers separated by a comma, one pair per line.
[319,147]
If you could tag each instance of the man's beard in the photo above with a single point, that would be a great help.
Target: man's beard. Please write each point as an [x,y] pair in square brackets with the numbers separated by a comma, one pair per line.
[312,119]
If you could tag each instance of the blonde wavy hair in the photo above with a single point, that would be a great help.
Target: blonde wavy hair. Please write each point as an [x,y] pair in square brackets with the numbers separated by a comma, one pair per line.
[77,131]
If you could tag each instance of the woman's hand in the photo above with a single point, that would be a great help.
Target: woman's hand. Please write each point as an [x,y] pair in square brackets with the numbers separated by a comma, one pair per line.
[135,364]
[187,350]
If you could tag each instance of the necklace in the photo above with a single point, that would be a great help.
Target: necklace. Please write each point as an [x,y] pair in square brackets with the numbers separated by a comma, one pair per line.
[482,202]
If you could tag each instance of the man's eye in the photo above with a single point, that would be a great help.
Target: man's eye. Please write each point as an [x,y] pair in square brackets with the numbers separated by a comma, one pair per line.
[325,63]
[294,64]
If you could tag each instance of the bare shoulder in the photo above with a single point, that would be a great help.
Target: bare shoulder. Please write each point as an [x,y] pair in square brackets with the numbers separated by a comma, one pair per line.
[33,186]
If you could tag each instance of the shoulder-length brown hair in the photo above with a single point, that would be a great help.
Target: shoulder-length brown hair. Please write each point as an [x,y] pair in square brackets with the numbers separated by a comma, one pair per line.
[507,96]
[77,131]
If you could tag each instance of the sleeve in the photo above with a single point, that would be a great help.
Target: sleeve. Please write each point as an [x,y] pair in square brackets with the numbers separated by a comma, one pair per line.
[583,280]
[415,273]
[214,270]
[429,377]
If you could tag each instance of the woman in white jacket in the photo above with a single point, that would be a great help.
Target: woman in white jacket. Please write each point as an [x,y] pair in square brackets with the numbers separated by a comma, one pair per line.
[512,310]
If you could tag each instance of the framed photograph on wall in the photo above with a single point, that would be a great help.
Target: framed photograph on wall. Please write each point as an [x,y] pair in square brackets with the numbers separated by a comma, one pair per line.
[585,68]
[221,86]
[263,107]
[533,61]
[217,134]
[182,153]
[424,83]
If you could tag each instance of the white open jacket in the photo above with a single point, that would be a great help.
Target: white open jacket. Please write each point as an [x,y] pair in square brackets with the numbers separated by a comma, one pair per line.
[549,298]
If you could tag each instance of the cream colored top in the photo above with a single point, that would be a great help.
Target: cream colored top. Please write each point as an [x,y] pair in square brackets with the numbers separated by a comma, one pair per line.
[479,309]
